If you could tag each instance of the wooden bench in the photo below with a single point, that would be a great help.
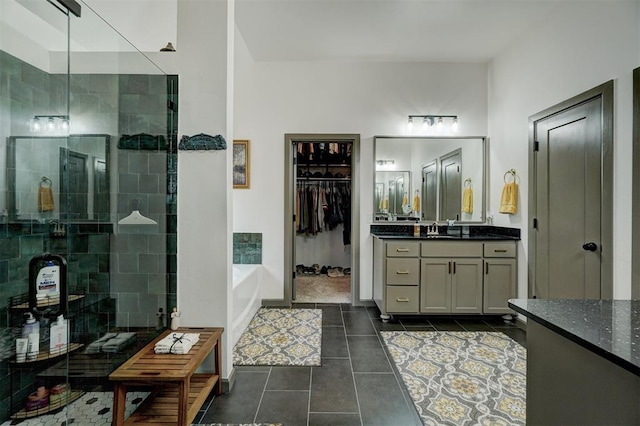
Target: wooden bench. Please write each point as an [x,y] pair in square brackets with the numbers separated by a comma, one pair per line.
[176,392]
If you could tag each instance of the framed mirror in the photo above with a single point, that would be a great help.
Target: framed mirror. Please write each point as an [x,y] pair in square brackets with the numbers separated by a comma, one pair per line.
[394,203]
[58,178]
[441,178]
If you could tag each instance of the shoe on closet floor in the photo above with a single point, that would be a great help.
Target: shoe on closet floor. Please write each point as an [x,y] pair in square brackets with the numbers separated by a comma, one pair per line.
[316,269]
[335,272]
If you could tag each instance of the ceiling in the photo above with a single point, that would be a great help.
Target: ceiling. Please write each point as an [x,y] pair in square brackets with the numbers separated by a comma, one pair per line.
[387,30]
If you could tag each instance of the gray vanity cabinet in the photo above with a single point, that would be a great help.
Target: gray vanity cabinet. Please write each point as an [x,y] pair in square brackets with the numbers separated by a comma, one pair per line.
[443,277]
[451,285]
[499,276]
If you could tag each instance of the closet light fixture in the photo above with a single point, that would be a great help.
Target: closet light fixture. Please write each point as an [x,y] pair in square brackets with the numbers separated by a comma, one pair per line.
[49,124]
[431,121]
[385,162]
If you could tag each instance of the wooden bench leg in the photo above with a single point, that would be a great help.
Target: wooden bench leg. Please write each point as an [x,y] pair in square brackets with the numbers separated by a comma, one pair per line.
[119,402]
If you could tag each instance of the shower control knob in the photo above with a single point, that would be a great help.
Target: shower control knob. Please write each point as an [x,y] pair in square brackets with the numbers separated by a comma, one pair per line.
[590,246]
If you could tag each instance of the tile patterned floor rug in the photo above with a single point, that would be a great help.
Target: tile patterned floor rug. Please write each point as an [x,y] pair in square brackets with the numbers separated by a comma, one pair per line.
[281,337]
[462,378]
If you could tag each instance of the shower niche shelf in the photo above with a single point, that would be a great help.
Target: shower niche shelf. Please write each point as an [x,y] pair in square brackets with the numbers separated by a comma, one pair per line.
[22,301]
[43,356]
[24,414]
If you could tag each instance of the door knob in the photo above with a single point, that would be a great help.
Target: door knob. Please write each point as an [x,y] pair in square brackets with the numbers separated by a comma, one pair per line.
[590,246]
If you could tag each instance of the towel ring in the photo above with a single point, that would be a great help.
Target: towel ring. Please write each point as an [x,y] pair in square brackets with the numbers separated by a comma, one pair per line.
[45,181]
[514,176]
[467,183]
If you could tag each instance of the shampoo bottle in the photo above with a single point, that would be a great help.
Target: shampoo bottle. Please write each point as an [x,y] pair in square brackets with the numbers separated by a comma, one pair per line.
[58,340]
[31,331]
[48,281]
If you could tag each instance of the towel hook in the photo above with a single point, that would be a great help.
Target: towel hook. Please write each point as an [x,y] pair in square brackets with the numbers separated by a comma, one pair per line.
[467,183]
[514,176]
[45,180]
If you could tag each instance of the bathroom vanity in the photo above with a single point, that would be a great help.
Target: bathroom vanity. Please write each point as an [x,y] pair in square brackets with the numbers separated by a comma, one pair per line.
[583,361]
[456,270]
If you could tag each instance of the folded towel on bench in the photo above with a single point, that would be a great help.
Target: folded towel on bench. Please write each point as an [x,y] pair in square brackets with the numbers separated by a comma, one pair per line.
[119,342]
[177,343]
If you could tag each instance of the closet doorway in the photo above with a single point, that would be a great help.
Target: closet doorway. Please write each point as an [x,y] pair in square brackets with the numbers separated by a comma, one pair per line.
[321,218]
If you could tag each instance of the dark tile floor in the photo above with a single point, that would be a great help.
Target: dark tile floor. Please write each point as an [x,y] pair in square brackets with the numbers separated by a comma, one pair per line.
[357,383]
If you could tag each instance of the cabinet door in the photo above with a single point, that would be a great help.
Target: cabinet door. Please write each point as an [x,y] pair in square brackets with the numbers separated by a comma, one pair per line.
[466,286]
[499,285]
[435,285]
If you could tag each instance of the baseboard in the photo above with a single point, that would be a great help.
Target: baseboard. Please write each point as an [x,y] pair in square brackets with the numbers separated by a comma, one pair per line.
[227,384]
[520,323]
[275,303]
[367,303]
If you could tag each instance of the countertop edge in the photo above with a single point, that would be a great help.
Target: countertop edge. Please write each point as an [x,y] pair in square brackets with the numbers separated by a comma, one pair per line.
[447,238]
[632,368]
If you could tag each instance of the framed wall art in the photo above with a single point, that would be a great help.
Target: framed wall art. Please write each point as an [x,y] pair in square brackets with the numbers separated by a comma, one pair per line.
[241,164]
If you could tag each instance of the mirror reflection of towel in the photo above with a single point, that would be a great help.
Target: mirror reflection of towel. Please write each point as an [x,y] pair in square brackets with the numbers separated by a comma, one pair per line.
[509,198]
[416,203]
[45,199]
[467,201]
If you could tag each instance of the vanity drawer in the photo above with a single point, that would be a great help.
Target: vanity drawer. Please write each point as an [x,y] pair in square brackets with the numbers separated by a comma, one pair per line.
[403,249]
[403,271]
[451,249]
[499,250]
[402,299]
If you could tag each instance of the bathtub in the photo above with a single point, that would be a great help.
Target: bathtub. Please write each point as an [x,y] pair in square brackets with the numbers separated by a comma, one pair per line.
[246,300]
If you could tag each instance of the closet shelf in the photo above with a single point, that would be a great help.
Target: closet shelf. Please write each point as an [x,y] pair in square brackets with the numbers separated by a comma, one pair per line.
[322,179]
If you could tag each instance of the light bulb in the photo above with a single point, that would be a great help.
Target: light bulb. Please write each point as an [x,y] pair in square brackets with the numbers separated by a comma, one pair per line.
[51,125]
[454,125]
[440,123]
[36,126]
[425,123]
[410,125]
[64,126]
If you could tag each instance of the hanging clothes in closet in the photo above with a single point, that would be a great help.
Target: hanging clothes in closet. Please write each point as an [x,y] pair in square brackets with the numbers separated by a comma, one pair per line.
[322,206]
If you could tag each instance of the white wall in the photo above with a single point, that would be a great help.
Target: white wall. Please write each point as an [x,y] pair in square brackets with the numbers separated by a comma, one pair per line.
[316,97]
[555,61]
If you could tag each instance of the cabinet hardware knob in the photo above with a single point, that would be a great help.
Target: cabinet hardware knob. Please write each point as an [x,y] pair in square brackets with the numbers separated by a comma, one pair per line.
[402,299]
[402,272]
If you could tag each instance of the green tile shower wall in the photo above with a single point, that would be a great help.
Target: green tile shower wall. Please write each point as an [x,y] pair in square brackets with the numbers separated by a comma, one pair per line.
[113,105]
[247,248]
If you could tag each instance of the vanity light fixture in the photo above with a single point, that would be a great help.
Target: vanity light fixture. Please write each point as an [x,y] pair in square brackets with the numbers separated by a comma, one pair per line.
[431,121]
[385,162]
[49,124]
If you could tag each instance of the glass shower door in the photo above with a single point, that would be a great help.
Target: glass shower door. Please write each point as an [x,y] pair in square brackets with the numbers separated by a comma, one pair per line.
[86,138]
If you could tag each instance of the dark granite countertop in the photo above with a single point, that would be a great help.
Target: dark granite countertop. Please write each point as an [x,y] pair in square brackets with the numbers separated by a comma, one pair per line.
[609,328]
[446,233]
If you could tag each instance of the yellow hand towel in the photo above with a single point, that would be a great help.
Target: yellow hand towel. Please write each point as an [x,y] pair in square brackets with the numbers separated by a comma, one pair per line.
[385,204]
[405,200]
[45,199]
[416,203]
[509,198]
[467,201]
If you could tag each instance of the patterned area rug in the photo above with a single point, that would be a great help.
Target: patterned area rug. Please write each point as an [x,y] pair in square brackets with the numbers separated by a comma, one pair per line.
[281,337]
[462,378]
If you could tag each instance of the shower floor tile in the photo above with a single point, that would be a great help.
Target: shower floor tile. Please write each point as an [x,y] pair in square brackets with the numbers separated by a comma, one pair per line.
[92,408]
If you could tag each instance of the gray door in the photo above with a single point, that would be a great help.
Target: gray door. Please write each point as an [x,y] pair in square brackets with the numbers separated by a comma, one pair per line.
[568,195]
[429,191]
[451,186]
[74,188]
